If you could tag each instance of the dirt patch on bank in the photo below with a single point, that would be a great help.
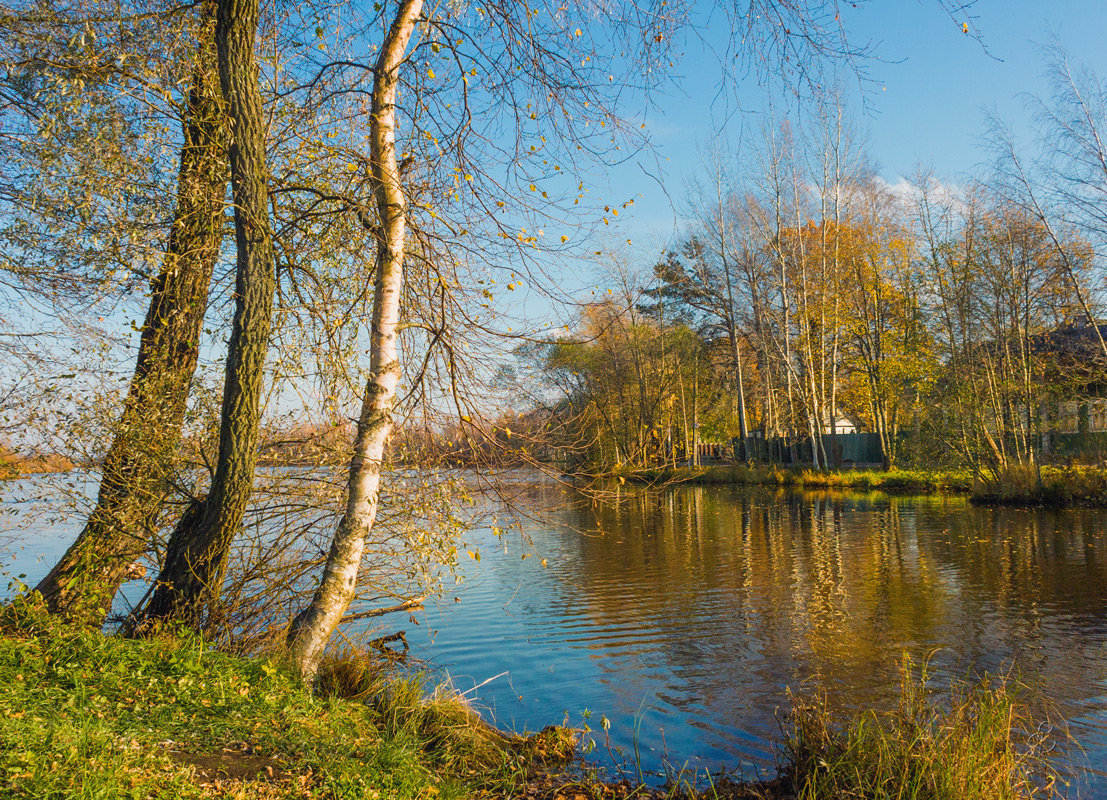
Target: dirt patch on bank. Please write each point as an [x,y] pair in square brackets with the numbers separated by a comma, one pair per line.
[240,772]
[581,787]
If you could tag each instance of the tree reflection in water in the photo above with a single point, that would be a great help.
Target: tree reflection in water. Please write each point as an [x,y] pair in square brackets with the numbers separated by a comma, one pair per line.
[685,613]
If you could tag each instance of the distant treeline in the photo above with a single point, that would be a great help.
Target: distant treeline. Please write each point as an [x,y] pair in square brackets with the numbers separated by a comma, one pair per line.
[13,464]
[807,299]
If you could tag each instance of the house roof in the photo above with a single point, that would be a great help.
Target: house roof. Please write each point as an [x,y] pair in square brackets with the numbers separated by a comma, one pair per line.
[1079,338]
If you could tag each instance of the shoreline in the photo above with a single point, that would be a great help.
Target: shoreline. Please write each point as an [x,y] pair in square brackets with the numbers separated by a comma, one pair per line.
[167,716]
[893,481]
[1058,487]
[13,467]
[1020,486]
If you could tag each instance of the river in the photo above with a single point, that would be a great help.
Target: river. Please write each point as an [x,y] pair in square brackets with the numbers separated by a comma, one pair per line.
[682,616]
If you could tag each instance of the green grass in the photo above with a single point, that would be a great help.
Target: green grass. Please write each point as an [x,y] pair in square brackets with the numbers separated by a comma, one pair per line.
[1016,485]
[93,716]
[83,715]
[901,481]
[977,743]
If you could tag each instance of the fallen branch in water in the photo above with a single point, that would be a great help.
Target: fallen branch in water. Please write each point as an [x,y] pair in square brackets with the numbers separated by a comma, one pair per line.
[415,602]
[380,642]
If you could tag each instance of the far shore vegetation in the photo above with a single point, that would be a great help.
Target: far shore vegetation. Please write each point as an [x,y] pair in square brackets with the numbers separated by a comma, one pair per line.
[13,464]
[1051,486]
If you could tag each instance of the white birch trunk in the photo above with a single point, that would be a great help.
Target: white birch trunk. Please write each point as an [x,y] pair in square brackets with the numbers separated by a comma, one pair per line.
[312,628]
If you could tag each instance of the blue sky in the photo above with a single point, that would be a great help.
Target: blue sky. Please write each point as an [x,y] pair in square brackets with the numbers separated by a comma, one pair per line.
[927,97]
[926,104]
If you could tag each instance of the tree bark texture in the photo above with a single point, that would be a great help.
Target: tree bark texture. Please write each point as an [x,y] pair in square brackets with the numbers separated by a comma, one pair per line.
[312,628]
[196,555]
[82,585]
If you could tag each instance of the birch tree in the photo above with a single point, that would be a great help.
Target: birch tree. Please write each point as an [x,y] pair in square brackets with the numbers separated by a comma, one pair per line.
[312,628]
[560,87]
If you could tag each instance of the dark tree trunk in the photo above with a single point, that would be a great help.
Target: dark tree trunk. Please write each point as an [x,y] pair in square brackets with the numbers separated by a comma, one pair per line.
[84,582]
[196,555]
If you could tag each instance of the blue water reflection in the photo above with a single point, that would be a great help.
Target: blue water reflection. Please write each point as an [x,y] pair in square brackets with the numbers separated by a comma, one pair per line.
[681,616]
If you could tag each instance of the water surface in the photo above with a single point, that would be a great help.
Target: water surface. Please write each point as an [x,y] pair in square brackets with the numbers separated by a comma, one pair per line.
[682,616]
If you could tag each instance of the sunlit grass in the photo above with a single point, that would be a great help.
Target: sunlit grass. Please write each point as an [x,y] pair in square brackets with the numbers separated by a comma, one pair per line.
[88,715]
[1018,484]
[902,481]
[976,742]
[1026,484]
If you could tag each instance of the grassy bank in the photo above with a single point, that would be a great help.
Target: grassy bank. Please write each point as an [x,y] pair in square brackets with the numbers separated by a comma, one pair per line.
[1057,487]
[89,716]
[903,481]
[1052,486]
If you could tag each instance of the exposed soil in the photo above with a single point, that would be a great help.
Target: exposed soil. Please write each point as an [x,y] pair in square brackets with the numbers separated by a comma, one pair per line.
[237,764]
[561,786]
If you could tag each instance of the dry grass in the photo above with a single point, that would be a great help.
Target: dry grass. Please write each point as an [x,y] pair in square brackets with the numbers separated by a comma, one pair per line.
[979,743]
[13,464]
[1025,485]
[450,728]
